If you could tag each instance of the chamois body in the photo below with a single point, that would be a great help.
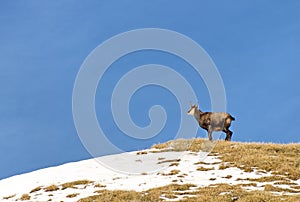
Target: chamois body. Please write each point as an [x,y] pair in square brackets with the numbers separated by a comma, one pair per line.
[213,121]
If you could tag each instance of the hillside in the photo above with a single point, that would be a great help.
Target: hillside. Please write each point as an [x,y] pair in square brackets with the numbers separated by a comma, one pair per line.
[223,171]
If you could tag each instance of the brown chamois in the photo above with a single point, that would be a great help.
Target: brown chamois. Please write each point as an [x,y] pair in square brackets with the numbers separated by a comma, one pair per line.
[212,121]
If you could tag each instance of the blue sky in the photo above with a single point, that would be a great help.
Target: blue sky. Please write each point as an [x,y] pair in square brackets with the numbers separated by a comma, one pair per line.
[254,44]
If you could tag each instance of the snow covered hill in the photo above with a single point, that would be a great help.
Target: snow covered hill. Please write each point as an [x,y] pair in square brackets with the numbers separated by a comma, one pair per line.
[151,168]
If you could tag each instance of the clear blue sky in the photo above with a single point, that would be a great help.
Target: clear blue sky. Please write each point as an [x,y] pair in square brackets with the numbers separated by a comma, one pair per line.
[254,44]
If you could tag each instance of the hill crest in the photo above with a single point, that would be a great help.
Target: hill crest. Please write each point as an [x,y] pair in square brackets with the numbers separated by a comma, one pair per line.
[190,170]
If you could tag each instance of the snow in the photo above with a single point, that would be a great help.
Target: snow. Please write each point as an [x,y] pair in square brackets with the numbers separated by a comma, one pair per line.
[125,171]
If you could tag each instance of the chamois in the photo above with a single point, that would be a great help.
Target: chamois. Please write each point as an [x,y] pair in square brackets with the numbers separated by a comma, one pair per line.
[212,121]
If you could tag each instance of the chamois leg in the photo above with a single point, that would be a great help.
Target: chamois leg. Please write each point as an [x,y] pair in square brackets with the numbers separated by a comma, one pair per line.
[209,133]
[228,134]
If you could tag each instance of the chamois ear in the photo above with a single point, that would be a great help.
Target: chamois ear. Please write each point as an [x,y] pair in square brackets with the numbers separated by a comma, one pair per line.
[196,105]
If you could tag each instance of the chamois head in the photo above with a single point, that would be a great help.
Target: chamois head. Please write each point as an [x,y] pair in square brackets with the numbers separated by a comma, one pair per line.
[193,109]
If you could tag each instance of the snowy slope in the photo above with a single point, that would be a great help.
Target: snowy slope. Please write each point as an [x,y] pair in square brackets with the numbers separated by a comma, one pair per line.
[135,171]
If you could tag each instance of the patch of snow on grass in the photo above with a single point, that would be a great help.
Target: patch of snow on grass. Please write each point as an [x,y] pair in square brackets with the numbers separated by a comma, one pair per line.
[129,171]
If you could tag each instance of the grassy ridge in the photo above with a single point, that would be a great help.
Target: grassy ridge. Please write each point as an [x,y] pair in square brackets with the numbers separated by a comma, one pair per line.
[220,192]
[282,160]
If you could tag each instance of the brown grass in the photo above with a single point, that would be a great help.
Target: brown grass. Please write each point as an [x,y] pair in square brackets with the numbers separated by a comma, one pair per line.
[296,187]
[99,186]
[280,159]
[248,185]
[141,153]
[174,164]
[162,146]
[119,196]
[218,192]
[269,187]
[8,197]
[272,178]
[25,197]
[173,187]
[36,189]
[73,184]
[178,145]
[51,188]
[228,176]
[204,163]
[182,175]
[204,169]
[72,195]
[224,166]
[169,161]
[172,172]
[285,182]
[170,196]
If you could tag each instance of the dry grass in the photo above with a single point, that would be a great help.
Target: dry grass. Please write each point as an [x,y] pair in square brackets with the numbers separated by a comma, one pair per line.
[172,188]
[224,166]
[225,192]
[285,182]
[99,186]
[36,189]
[169,161]
[162,146]
[182,175]
[73,184]
[9,197]
[178,145]
[228,176]
[204,169]
[272,178]
[246,169]
[51,188]
[72,195]
[170,196]
[280,159]
[174,164]
[204,163]
[141,153]
[118,196]
[218,192]
[295,187]
[25,197]
[269,187]
[249,185]
[172,172]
